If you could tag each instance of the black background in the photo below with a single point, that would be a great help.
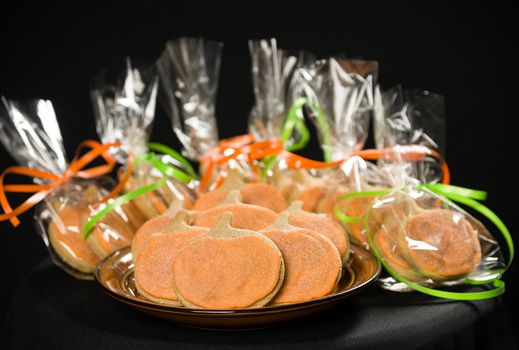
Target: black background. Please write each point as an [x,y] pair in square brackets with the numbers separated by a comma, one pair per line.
[466,52]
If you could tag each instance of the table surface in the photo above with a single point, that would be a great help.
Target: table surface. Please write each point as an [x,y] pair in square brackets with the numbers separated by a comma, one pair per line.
[52,310]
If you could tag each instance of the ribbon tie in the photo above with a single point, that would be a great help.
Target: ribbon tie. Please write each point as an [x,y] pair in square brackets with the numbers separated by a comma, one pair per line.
[269,150]
[76,169]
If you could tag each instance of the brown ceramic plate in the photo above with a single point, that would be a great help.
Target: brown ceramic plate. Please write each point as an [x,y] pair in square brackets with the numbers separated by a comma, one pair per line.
[115,276]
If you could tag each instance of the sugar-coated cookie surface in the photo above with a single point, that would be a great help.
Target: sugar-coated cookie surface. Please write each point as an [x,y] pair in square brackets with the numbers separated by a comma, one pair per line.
[149,228]
[313,265]
[154,263]
[228,268]
[322,224]
[441,244]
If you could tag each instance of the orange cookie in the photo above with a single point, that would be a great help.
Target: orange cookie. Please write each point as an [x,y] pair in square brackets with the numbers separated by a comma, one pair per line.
[65,236]
[109,234]
[389,251]
[441,244]
[246,216]
[150,227]
[358,207]
[313,265]
[153,264]
[142,203]
[264,195]
[228,268]
[298,184]
[312,195]
[210,200]
[255,193]
[132,215]
[285,185]
[322,224]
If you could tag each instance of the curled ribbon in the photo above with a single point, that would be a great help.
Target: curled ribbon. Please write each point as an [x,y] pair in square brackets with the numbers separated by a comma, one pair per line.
[244,145]
[183,172]
[75,169]
[270,150]
[410,153]
[465,196]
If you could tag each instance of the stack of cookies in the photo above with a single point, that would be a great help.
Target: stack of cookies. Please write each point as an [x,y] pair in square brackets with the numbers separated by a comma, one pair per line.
[436,244]
[240,247]
[70,213]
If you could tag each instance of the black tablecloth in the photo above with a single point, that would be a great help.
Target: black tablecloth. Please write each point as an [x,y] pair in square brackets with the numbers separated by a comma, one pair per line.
[54,311]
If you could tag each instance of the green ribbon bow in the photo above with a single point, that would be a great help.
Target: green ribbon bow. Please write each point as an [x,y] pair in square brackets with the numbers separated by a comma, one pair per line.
[185,173]
[465,196]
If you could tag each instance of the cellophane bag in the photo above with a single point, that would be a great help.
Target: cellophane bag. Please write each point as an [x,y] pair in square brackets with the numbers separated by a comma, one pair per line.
[353,175]
[188,69]
[427,239]
[272,72]
[124,97]
[30,132]
[404,122]
[340,102]
[420,235]
[406,119]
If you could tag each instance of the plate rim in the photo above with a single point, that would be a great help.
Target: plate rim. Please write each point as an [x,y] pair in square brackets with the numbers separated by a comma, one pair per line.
[154,306]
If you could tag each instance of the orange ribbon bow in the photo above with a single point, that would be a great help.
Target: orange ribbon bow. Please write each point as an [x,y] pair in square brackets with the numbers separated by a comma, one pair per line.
[245,145]
[75,169]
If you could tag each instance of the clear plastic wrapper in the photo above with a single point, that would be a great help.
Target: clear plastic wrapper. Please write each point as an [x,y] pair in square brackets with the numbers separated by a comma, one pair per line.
[421,236]
[275,81]
[428,240]
[273,70]
[405,123]
[188,70]
[353,175]
[410,117]
[341,101]
[30,132]
[124,96]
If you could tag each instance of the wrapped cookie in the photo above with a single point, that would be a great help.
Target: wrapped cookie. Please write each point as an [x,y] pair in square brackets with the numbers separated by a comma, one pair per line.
[409,133]
[278,112]
[426,241]
[422,237]
[124,96]
[340,102]
[67,192]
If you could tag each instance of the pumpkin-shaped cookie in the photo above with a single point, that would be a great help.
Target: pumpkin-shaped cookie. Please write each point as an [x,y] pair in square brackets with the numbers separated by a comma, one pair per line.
[313,265]
[246,216]
[322,224]
[153,263]
[155,225]
[385,241]
[228,268]
[440,244]
[299,184]
[256,193]
[65,236]
[112,232]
